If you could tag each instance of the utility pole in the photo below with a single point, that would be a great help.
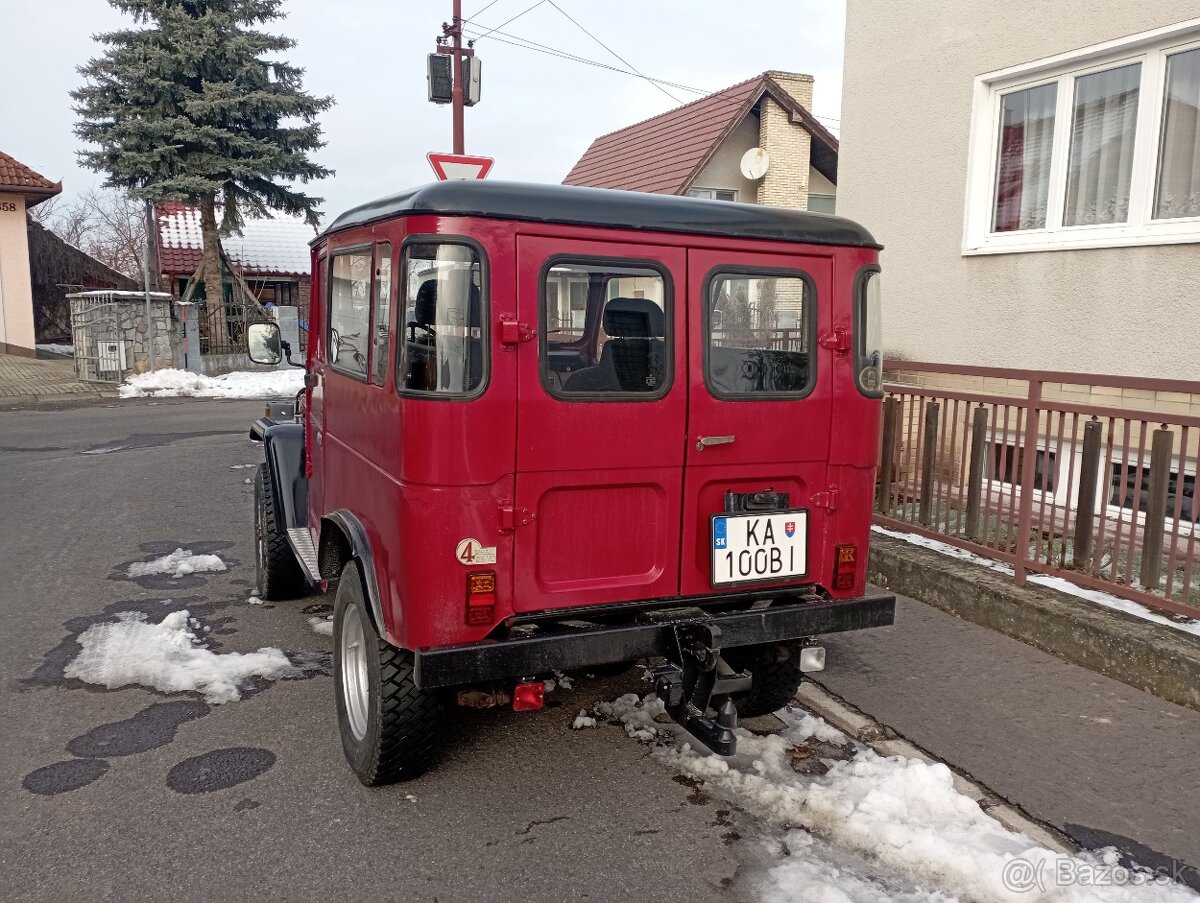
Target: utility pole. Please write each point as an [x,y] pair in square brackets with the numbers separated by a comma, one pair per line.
[454,32]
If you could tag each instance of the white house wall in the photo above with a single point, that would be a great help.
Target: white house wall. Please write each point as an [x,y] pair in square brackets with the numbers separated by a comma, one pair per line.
[907,109]
[724,169]
[16,290]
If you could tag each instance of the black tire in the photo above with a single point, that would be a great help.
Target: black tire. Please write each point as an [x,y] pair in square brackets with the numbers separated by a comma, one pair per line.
[277,573]
[776,678]
[403,725]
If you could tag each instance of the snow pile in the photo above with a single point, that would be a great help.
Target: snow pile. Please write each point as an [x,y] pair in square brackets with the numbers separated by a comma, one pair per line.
[242,384]
[911,834]
[1048,580]
[582,720]
[169,658]
[56,348]
[254,600]
[323,626]
[559,681]
[179,563]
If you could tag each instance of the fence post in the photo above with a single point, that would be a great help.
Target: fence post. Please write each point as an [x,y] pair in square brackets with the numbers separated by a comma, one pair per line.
[1033,414]
[928,454]
[1156,507]
[979,424]
[887,454]
[1085,505]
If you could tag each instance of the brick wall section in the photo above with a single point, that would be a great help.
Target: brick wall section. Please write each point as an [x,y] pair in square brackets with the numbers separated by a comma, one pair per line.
[788,145]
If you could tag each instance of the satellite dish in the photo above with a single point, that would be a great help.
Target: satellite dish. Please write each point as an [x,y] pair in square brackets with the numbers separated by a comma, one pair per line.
[755,163]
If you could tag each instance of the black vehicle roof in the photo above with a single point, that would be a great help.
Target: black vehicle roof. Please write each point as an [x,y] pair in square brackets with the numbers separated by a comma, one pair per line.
[575,206]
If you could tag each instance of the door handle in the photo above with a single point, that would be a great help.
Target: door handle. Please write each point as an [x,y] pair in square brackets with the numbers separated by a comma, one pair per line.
[704,441]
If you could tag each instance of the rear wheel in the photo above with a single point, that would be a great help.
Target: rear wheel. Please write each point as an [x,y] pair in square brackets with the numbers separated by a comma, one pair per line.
[391,730]
[277,572]
[777,676]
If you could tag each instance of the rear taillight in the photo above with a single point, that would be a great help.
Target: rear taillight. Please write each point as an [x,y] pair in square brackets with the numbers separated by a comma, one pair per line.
[529,696]
[845,565]
[481,598]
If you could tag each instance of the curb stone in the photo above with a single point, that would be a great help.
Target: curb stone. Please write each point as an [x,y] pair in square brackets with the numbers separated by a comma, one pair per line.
[1147,656]
[886,742]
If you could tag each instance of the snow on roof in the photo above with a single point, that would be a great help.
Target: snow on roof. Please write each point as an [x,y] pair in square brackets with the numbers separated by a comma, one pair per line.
[277,245]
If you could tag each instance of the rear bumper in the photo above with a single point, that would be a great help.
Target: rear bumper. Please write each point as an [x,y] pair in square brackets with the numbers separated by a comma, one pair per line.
[568,645]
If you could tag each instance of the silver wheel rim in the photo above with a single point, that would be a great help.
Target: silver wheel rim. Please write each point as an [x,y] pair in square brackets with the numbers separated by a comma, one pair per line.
[260,546]
[355,688]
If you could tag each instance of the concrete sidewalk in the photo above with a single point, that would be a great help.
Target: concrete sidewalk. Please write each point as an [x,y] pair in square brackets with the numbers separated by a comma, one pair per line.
[50,378]
[1099,760]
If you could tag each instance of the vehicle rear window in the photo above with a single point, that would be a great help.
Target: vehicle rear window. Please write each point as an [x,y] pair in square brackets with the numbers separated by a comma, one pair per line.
[350,312]
[759,334]
[443,351]
[605,330]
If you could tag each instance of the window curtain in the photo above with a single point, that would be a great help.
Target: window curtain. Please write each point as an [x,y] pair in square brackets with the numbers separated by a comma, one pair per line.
[1102,134]
[1023,173]
[1178,192]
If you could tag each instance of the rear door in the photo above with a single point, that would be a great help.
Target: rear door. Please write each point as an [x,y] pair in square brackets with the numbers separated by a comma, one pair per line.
[602,408]
[758,420]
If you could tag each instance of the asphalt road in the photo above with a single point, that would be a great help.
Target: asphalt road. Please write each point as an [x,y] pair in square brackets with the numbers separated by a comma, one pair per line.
[176,799]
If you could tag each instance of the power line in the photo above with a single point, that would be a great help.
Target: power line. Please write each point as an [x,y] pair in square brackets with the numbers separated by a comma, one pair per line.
[513,19]
[527,44]
[481,12]
[524,43]
[573,21]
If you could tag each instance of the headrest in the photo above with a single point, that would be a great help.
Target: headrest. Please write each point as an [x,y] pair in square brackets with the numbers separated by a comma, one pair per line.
[425,307]
[634,318]
[426,304]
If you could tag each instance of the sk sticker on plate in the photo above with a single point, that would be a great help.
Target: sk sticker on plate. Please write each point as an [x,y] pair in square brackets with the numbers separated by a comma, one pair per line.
[470,552]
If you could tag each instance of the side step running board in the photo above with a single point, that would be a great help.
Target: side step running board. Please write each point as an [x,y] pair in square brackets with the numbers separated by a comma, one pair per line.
[306,551]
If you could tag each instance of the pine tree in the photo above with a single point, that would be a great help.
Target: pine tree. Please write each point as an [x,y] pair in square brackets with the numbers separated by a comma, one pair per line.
[193,105]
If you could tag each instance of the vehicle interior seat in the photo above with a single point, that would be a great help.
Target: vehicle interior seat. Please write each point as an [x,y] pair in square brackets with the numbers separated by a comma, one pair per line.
[634,357]
[424,343]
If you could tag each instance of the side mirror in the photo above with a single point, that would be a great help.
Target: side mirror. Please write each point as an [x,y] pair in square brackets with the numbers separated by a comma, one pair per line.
[263,343]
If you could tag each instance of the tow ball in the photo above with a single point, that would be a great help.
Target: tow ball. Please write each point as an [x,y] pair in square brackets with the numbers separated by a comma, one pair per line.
[695,674]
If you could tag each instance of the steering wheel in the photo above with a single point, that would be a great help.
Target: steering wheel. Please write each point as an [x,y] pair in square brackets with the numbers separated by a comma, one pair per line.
[413,326]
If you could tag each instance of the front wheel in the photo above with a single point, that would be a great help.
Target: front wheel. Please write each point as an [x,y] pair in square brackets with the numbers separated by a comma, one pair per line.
[277,572]
[391,730]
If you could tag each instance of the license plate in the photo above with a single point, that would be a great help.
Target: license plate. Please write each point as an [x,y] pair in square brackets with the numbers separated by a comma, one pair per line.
[759,547]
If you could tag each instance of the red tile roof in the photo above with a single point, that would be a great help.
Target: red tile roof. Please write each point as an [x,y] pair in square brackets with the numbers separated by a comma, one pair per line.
[20,179]
[275,246]
[662,155]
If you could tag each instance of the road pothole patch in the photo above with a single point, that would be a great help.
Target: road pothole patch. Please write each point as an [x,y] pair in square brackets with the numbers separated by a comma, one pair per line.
[63,777]
[220,769]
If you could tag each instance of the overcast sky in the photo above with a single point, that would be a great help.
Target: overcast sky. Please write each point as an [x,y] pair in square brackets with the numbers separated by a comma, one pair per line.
[537,115]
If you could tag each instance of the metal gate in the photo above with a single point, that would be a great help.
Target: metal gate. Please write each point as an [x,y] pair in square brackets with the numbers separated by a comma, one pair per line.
[99,348]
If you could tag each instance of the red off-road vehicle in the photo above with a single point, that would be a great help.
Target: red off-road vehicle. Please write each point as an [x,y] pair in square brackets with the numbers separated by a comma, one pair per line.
[556,428]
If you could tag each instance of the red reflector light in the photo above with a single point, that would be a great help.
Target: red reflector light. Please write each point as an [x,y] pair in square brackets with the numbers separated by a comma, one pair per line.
[481,598]
[845,565]
[529,696]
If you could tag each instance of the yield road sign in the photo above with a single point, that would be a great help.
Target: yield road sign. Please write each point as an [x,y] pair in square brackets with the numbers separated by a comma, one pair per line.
[459,166]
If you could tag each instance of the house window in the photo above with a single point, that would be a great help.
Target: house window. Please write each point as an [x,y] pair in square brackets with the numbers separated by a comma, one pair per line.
[1008,462]
[1098,148]
[713,194]
[1129,483]
[822,203]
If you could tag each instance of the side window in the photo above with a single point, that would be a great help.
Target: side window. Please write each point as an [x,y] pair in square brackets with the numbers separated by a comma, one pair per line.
[350,312]
[759,329]
[868,327]
[383,312]
[605,330]
[443,348]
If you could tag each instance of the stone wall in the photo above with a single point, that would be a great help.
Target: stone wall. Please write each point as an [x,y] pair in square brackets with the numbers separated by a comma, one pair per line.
[118,317]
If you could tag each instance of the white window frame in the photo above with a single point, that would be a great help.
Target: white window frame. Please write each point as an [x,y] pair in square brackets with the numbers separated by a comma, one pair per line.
[1151,49]
[712,193]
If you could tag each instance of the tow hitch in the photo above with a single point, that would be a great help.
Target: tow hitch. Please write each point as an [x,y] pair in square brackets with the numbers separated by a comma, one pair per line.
[693,675]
